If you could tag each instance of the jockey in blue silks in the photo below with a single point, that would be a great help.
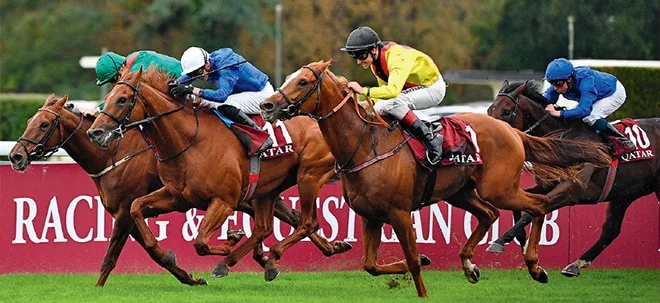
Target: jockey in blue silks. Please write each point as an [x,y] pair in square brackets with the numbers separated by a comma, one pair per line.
[240,85]
[598,94]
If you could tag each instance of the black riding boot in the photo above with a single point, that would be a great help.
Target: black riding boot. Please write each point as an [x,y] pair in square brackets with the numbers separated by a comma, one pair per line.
[431,140]
[612,131]
[238,116]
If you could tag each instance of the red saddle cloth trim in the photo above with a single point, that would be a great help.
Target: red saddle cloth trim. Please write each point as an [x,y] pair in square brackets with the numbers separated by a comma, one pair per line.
[634,131]
[457,147]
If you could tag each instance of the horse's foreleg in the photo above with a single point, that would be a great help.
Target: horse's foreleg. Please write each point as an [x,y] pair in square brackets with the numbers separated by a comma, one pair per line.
[531,251]
[616,211]
[122,227]
[215,215]
[371,236]
[159,202]
[402,225]
[262,228]
[486,213]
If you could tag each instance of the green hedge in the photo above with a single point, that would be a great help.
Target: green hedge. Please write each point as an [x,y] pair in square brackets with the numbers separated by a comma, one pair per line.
[15,109]
[643,90]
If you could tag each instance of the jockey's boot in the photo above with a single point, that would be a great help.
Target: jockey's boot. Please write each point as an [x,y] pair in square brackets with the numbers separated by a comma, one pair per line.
[612,131]
[429,138]
[240,117]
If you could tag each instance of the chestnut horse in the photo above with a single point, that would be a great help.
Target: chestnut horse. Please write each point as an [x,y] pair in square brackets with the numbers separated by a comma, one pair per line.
[520,105]
[121,174]
[203,165]
[391,187]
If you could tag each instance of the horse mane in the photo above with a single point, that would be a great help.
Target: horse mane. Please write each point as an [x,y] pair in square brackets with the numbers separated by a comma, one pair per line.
[157,78]
[341,81]
[531,91]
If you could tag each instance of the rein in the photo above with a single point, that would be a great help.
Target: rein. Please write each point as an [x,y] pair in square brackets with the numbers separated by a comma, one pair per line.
[39,151]
[125,125]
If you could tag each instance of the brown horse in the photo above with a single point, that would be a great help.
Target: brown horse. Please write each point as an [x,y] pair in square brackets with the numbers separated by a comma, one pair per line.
[520,105]
[388,190]
[204,166]
[121,174]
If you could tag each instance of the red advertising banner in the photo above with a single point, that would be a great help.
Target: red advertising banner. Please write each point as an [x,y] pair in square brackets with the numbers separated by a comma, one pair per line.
[52,220]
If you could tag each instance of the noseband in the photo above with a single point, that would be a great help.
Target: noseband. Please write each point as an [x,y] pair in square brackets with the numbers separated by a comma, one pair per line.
[40,151]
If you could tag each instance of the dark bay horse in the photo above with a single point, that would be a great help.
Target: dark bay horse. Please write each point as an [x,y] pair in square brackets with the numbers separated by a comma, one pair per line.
[520,105]
[389,189]
[203,165]
[121,174]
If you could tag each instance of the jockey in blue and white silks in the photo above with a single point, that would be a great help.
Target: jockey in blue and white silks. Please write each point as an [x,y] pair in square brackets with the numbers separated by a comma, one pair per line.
[599,94]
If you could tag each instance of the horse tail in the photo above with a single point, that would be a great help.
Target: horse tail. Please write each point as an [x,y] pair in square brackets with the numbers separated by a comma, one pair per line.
[554,158]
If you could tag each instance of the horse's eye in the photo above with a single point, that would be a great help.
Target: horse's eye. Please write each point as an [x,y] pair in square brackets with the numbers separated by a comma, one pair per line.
[43,125]
[302,82]
[122,100]
[507,112]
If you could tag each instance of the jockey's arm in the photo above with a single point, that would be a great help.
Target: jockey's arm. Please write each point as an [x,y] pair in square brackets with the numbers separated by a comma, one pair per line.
[400,67]
[588,96]
[225,85]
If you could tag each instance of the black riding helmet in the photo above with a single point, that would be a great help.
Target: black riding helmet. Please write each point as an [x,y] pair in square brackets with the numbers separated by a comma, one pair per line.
[360,40]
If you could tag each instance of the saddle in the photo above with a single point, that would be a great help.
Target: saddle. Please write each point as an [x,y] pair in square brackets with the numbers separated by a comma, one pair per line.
[458,147]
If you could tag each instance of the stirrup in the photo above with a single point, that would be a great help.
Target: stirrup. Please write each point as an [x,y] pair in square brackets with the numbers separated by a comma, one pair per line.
[267,144]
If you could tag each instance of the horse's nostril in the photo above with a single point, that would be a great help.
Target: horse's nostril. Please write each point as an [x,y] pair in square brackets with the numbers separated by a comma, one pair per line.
[267,106]
[94,133]
[15,158]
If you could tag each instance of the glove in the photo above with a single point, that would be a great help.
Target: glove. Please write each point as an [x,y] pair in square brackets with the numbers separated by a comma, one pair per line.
[179,90]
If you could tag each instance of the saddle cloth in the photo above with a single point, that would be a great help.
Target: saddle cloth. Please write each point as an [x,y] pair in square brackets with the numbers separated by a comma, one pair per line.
[458,147]
[252,139]
[638,136]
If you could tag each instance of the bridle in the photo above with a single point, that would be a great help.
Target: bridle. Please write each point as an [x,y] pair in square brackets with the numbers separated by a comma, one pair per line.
[40,151]
[514,112]
[124,125]
[293,108]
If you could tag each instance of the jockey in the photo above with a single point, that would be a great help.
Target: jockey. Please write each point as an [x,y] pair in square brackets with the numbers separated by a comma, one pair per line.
[240,85]
[599,94]
[408,79]
[110,63]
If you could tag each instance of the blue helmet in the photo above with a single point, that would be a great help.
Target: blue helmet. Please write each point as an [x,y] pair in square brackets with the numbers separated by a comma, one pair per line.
[559,69]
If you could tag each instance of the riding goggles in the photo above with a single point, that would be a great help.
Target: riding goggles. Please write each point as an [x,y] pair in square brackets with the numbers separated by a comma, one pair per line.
[359,55]
[557,83]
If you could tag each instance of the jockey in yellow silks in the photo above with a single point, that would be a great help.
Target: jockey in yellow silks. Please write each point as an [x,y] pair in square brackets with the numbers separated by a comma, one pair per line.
[407,79]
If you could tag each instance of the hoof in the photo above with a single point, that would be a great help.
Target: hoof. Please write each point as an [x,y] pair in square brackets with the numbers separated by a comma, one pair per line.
[236,235]
[341,247]
[543,276]
[495,248]
[474,275]
[221,270]
[571,270]
[170,258]
[426,261]
[271,274]
[202,281]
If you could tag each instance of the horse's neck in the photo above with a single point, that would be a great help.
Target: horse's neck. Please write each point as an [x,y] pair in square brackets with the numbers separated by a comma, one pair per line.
[89,156]
[173,132]
[343,130]
[572,128]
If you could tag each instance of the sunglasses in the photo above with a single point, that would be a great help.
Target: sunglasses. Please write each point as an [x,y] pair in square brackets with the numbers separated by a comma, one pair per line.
[360,55]
[558,83]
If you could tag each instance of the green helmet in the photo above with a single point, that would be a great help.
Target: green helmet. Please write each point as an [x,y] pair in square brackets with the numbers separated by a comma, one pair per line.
[108,66]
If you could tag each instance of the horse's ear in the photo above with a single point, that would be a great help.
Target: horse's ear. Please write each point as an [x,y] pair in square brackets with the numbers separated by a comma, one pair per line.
[138,76]
[504,85]
[61,101]
[323,65]
[519,89]
[49,98]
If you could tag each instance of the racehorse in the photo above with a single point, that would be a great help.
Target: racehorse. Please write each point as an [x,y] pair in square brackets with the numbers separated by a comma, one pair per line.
[203,165]
[121,174]
[386,189]
[520,105]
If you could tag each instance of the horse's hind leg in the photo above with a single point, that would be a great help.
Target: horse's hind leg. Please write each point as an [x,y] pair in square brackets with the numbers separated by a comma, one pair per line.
[122,227]
[402,225]
[616,211]
[159,202]
[486,213]
[262,228]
